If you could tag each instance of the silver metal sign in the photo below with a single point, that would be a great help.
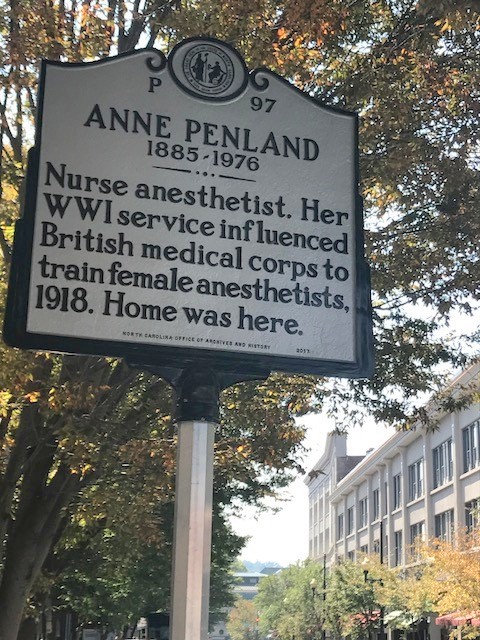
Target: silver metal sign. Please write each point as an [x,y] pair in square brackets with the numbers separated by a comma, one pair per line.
[187,210]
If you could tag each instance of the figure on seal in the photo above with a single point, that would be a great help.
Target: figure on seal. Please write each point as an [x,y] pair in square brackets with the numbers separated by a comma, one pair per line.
[198,67]
[216,74]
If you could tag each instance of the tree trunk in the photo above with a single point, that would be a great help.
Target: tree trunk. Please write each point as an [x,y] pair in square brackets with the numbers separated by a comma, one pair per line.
[17,580]
[14,468]
[21,570]
[28,630]
[28,545]
[12,595]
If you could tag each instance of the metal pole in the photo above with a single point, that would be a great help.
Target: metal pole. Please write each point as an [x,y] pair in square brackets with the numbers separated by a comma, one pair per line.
[197,407]
[324,633]
[198,397]
[382,622]
[381,541]
[193,531]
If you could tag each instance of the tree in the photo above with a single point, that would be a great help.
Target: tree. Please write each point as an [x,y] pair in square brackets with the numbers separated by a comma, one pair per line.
[443,580]
[287,604]
[43,470]
[409,602]
[450,574]
[111,575]
[353,605]
[407,67]
[238,566]
[123,430]
[242,621]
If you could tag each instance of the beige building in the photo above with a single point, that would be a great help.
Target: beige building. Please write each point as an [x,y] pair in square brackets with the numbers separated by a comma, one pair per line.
[417,484]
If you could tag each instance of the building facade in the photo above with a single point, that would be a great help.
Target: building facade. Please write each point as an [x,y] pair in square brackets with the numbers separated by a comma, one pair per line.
[418,485]
[246,584]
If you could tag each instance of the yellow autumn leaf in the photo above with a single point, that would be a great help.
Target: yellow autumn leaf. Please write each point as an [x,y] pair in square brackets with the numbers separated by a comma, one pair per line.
[5,397]
[10,192]
[33,396]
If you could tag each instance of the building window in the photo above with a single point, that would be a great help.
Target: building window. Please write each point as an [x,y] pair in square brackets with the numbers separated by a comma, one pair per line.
[444,525]
[364,549]
[398,548]
[340,526]
[363,512]
[442,464]
[415,480]
[471,437]
[376,546]
[376,504]
[351,555]
[417,532]
[417,536]
[472,515]
[350,521]
[397,491]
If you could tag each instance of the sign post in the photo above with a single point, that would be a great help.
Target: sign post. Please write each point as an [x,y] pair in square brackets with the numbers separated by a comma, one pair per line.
[201,221]
[198,415]
[193,529]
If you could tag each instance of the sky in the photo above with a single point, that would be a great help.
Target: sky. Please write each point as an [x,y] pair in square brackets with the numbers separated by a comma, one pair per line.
[282,537]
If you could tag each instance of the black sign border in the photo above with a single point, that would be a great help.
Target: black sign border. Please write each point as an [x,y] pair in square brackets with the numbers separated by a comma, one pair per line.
[15,333]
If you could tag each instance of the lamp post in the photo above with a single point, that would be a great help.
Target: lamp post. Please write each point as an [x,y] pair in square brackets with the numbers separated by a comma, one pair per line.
[313,586]
[285,604]
[372,581]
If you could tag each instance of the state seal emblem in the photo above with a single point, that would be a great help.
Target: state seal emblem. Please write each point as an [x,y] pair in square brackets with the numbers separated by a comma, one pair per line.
[209,69]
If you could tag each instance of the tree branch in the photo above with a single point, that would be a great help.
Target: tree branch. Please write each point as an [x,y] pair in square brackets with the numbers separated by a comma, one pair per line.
[14,468]
[5,248]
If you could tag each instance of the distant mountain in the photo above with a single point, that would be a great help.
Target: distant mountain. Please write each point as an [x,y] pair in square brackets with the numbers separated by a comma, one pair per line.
[256,567]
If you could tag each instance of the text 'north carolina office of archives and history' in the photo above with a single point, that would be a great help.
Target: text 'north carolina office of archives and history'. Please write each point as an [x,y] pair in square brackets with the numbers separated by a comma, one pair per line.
[184,208]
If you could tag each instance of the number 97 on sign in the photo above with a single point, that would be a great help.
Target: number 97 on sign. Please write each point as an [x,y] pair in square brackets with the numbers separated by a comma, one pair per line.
[262,104]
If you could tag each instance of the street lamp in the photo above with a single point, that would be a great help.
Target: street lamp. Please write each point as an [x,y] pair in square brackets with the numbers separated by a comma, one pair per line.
[372,581]
[286,601]
[313,587]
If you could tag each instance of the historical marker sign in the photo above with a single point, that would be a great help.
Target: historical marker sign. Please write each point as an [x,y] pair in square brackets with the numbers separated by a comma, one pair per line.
[186,210]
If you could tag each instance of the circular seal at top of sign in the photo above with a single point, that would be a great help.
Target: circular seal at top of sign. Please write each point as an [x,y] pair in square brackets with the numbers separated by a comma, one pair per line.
[208,68]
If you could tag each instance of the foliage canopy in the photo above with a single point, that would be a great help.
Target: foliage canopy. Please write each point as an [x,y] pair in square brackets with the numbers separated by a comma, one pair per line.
[442,578]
